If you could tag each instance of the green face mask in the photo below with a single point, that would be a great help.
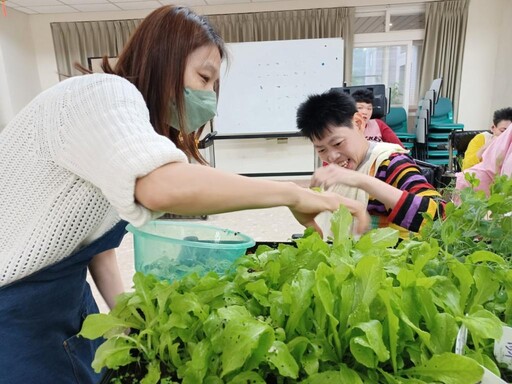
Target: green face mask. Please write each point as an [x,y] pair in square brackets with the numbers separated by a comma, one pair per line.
[200,107]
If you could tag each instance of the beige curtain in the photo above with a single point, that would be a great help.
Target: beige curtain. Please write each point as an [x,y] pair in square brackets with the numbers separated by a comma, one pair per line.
[75,42]
[289,25]
[445,34]
[78,41]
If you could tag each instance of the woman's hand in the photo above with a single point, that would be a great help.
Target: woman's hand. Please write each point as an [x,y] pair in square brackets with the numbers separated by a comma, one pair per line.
[105,272]
[312,203]
[334,174]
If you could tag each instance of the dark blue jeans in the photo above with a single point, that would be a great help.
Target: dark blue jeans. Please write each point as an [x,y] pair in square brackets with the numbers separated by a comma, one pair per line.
[40,316]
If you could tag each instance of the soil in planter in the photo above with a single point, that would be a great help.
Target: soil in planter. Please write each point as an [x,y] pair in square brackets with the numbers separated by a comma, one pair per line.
[131,374]
[506,374]
[134,373]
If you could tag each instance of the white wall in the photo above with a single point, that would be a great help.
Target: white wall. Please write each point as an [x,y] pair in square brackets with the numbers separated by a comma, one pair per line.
[486,75]
[19,81]
[502,90]
[5,98]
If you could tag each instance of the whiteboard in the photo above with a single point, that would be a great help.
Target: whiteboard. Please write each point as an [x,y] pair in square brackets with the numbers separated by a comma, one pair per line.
[264,83]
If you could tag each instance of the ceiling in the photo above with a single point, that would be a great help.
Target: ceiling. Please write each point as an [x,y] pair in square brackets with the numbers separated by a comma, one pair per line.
[71,6]
[74,6]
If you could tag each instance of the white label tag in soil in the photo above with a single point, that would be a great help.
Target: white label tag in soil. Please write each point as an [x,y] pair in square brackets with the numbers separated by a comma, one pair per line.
[503,348]
[491,378]
[461,340]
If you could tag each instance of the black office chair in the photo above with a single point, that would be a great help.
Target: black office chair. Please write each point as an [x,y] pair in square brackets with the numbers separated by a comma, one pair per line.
[432,172]
[457,144]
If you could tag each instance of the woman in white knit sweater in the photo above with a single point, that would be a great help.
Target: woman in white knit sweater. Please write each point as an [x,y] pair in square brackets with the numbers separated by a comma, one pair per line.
[97,151]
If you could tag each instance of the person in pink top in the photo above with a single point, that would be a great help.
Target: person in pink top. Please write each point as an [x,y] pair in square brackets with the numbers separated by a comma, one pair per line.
[496,160]
[376,129]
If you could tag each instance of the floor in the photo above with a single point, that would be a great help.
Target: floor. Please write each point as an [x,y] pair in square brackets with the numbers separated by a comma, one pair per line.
[272,224]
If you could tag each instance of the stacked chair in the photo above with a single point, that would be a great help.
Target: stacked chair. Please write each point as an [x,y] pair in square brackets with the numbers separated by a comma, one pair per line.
[421,128]
[439,130]
[434,125]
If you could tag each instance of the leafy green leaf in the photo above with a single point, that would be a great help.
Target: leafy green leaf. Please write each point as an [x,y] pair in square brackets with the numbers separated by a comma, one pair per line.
[447,296]
[377,238]
[483,324]
[153,374]
[486,286]
[114,353]
[443,333]
[325,377]
[448,368]
[195,370]
[349,375]
[341,225]
[247,377]
[98,324]
[300,298]
[465,280]
[242,338]
[481,256]
[369,348]
[281,358]
[371,275]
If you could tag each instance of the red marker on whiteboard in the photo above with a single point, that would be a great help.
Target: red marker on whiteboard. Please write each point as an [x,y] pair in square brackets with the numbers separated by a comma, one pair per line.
[4,8]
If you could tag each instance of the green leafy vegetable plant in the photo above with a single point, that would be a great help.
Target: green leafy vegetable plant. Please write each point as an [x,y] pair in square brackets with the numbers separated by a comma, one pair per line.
[478,222]
[365,311]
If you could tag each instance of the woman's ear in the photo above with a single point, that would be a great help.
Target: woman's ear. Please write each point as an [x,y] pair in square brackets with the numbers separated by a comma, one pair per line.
[359,123]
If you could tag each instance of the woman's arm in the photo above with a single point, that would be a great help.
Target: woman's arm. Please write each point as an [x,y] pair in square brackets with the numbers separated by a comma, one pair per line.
[471,156]
[106,275]
[388,135]
[191,189]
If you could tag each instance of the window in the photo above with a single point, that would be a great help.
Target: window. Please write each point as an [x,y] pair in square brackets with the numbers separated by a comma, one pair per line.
[370,24]
[389,55]
[407,22]
[395,64]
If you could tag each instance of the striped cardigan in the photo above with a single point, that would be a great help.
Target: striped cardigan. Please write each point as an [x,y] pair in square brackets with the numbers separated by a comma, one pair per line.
[418,196]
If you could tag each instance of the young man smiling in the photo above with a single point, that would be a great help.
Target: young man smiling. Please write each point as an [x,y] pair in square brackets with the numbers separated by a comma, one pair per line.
[381,175]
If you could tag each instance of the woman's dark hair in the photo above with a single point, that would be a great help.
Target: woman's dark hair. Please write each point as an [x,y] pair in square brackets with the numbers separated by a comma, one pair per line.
[319,112]
[502,114]
[154,60]
[363,96]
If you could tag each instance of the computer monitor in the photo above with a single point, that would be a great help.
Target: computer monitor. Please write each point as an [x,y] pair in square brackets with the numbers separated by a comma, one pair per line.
[380,100]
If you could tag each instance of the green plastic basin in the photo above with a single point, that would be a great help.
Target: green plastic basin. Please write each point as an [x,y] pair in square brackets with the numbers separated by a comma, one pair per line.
[170,249]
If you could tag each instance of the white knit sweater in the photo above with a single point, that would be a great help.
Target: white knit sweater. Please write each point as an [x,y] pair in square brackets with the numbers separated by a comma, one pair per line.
[68,165]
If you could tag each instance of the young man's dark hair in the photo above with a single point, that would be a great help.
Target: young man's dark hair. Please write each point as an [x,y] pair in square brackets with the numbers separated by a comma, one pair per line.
[363,96]
[318,112]
[502,114]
